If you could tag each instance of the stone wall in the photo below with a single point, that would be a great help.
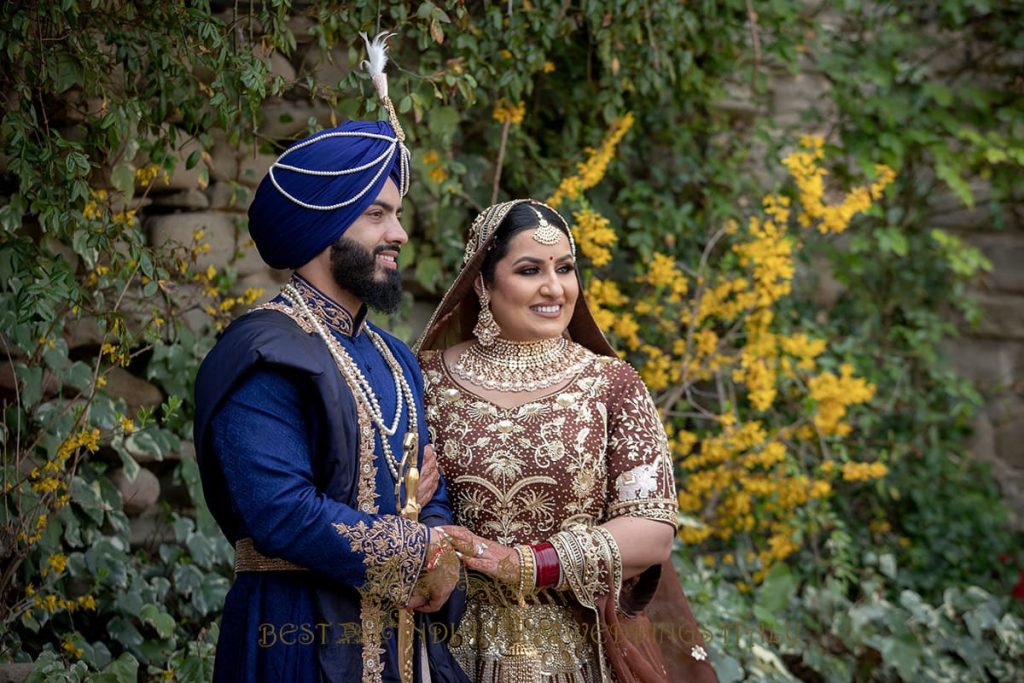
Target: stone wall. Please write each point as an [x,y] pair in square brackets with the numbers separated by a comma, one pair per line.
[992,354]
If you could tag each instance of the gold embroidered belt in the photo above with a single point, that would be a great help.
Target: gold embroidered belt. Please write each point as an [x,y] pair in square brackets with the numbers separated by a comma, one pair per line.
[248,559]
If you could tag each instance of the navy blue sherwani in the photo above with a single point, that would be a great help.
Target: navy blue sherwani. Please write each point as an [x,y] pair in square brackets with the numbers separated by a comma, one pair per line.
[292,470]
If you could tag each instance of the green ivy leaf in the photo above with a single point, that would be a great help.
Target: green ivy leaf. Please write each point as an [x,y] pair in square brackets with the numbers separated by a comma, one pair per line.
[202,549]
[775,593]
[29,621]
[77,164]
[212,591]
[103,413]
[158,619]
[122,177]
[124,632]
[892,241]
[87,497]
[130,464]
[79,375]
[764,616]
[96,655]
[188,471]
[904,654]
[428,272]
[945,170]
[68,72]
[125,669]
[887,565]
[11,214]
[31,381]
[146,264]
[426,10]
[443,122]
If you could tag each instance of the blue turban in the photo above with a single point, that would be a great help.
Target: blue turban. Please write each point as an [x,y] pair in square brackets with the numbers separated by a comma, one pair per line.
[320,185]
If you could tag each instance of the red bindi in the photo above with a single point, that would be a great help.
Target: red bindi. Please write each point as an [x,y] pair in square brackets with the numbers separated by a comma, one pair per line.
[551,258]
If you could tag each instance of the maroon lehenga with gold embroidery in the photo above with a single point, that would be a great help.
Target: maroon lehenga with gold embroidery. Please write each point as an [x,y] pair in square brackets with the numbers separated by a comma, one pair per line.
[585,453]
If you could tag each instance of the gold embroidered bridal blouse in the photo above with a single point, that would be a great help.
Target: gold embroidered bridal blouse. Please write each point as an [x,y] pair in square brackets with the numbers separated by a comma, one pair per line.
[590,451]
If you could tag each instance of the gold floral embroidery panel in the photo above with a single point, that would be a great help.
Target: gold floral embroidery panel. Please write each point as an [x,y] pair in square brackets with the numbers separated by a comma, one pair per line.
[392,550]
[583,454]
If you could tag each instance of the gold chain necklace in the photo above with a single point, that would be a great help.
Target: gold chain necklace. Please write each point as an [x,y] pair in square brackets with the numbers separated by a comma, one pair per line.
[521,366]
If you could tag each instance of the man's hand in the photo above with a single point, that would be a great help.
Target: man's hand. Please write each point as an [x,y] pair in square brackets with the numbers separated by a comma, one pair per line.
[436,583]
[429,476]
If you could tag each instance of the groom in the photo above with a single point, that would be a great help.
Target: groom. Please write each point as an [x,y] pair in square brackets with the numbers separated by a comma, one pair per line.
[308,419]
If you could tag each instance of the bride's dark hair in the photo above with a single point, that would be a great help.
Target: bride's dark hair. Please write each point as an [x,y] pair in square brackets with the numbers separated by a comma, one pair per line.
[521,217]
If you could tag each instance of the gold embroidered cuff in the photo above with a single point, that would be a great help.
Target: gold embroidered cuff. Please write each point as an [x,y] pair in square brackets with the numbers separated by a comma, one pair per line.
[658,509]
[589,557]
[393,550]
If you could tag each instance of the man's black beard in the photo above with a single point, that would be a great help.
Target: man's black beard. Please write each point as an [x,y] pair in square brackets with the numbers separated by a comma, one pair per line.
[355,270]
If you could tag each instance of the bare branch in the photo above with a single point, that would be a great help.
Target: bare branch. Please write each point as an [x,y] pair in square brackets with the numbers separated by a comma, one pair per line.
[501,160]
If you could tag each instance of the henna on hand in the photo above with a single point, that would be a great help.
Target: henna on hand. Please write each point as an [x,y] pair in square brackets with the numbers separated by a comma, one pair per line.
[498,561]
[440,575]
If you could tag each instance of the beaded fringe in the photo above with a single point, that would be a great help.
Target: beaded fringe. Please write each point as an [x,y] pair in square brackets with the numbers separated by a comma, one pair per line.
[521,664]
[492,670]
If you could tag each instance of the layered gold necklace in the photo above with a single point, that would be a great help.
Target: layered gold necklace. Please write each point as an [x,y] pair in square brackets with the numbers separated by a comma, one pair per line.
[521,366]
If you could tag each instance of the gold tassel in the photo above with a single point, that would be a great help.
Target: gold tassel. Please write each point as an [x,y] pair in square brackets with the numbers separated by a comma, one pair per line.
[521,662]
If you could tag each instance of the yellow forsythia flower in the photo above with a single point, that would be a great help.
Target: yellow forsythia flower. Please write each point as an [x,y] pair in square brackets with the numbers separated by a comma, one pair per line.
[590,171]
[127,425]
[863,471]
[593,235]
[57,563]
[507,112]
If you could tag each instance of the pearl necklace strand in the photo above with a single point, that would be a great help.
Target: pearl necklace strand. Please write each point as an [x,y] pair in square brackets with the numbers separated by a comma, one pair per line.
[360,385]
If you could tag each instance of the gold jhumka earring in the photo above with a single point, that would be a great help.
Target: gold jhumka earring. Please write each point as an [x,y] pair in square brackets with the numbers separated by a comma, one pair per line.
[486,329]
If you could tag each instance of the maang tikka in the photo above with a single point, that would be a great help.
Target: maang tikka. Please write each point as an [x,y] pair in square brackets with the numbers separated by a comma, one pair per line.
[546,233]
[486,329]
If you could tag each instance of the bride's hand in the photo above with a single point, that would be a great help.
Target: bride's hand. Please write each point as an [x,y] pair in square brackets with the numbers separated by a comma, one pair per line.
[498,561]
[429,476]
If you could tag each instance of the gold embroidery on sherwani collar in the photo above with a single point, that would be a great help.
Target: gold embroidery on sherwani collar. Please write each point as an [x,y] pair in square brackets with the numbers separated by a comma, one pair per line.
[330,312]
[288,311]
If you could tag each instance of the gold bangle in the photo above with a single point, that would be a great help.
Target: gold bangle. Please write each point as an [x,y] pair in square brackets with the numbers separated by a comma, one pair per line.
[526,568]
